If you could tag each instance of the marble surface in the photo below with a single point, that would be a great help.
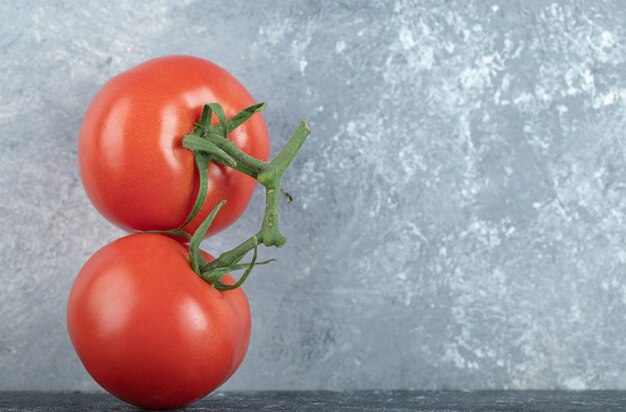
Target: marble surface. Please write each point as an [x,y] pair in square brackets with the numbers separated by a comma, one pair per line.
[362,401]
[459,214]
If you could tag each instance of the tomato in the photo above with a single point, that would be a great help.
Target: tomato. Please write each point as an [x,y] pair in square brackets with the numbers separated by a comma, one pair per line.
[132,162]
[149,330]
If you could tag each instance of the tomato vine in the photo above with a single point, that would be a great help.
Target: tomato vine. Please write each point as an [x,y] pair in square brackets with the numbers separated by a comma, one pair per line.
[210,143]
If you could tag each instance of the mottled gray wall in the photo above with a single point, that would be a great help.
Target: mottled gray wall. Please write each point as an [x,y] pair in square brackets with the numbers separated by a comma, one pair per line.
[460,207]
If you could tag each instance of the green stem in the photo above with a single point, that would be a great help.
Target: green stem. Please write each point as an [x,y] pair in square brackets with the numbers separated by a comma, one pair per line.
[205,151]
[229,147]
[284,158]
[207,141]
[220,286]
[234,255]
[270,235]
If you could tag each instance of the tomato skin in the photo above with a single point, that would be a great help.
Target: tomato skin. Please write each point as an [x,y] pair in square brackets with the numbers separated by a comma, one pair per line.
[132,162]
[149,330]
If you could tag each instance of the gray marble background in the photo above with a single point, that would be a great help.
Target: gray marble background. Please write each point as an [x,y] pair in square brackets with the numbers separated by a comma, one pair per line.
[460,213]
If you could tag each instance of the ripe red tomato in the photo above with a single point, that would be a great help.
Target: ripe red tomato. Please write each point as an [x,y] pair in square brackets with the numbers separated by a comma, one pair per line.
[149,330]
[132,162]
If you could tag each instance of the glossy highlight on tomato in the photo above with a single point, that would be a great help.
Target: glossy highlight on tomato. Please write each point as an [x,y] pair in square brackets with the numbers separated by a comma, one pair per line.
[149,330]
[132,162]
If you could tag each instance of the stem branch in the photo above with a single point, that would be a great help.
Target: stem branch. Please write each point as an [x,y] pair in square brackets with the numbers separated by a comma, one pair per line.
[210,142]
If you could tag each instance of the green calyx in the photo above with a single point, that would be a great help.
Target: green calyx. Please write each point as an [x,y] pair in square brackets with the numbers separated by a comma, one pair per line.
[210,143]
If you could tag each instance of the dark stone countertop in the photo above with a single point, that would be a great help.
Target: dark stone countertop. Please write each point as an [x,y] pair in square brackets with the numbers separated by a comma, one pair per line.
[338,401]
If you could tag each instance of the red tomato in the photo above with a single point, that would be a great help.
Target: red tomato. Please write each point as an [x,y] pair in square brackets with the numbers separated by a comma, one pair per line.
[132,162]
[149,330]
